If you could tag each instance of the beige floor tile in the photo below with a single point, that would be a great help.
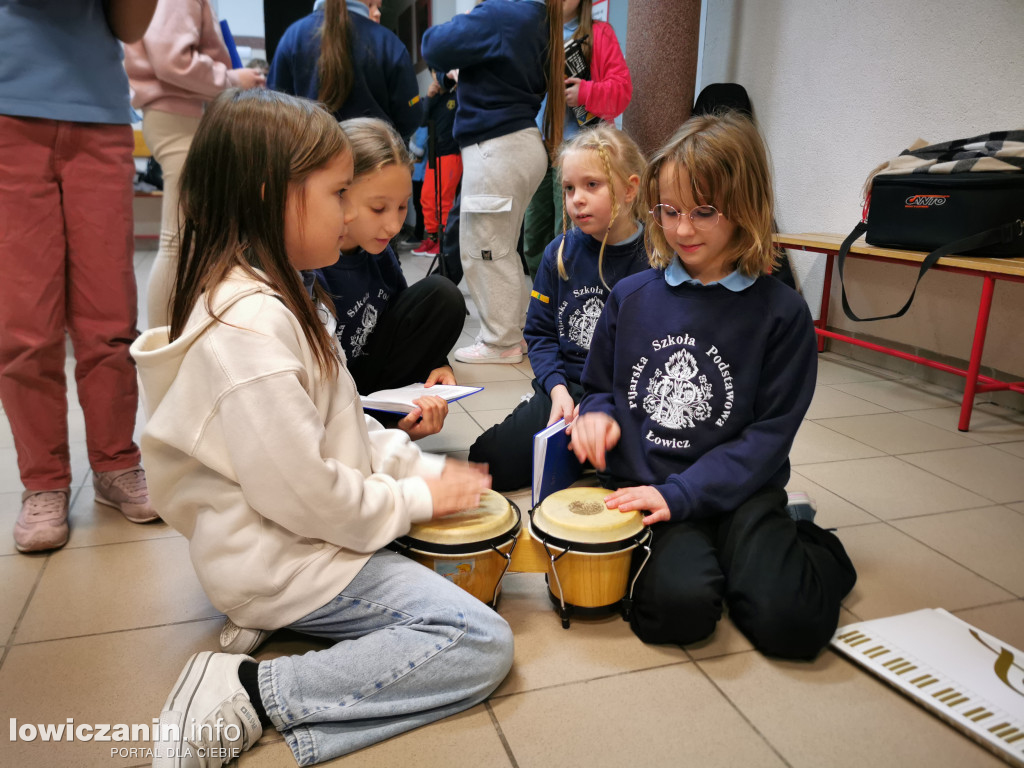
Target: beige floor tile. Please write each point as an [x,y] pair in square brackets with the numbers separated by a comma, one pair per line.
[890,488]
[487,419]
[815,443]
[835,369]
[895,433]
[990,423]
[1015,449]
[661,717]
[122,677]
[6,437]
[725,640]
[1004,621]
[93,524]
[498,394]
[832,713]
[897,574]
[829,402]
[988,541]
[19,574]
[458,433]
[468,738]
[985,470]
[115,587]
[547,655]
[902,395]
[833,511]
[1017,507]
[476,373]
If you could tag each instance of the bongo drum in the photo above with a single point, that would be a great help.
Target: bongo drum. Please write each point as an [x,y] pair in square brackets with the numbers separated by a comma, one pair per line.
[590,551]
[471,548]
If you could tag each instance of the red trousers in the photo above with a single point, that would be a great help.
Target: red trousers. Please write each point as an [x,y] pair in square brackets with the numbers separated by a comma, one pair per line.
[66,250]
[451,174]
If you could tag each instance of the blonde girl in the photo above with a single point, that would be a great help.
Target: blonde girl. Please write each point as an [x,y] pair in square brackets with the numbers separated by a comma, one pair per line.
[698,378]
[392,333]
[341,56]
[264,461]
[600,170]
[509,54]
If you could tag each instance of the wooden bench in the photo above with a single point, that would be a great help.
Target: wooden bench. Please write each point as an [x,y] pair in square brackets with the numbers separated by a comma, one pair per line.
[989,270]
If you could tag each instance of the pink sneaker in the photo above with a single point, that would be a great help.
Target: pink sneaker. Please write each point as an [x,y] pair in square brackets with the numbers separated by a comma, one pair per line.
[125,490]
[43,521]
[482,352]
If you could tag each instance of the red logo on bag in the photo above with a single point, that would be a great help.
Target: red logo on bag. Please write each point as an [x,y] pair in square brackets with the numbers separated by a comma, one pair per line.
[925,201]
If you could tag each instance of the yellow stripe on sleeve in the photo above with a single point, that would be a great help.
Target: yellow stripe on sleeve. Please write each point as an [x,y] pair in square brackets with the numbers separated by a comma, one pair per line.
[541,297]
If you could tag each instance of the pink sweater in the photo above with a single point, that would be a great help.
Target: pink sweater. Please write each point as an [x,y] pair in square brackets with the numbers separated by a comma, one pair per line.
[181,62]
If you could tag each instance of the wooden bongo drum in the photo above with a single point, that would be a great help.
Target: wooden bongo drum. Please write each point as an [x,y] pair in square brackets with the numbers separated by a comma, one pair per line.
[590,551]
[471,548]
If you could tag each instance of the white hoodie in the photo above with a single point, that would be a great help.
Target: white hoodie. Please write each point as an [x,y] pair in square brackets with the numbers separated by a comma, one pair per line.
[282,485]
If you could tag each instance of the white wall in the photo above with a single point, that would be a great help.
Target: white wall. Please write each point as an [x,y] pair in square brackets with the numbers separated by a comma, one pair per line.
[839,87]
[245,17]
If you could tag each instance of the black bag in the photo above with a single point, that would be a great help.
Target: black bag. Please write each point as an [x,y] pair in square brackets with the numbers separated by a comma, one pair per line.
[967,213]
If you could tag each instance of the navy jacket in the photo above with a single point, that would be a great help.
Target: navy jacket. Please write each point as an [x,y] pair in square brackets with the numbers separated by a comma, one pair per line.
[384,83]
[709,387]
[499,49]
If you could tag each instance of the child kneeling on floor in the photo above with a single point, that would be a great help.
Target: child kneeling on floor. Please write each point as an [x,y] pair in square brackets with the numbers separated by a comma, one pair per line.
[262,457]
[699,375]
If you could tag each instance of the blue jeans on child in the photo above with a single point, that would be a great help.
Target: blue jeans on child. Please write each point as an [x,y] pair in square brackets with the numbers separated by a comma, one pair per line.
[412,648]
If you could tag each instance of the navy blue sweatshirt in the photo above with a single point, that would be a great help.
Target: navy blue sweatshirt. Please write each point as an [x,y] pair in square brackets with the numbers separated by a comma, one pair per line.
[563,313]
[441,110]
[499,49]
[384,82]
[709,387]
[362,286]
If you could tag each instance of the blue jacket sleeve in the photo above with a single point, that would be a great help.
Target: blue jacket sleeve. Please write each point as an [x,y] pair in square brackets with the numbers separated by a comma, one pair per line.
[281,78]
[541,332]
[406,107]
[729,474]
[468,39]
[598,371]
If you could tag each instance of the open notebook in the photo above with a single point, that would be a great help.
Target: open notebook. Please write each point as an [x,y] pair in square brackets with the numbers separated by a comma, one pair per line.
[400,400]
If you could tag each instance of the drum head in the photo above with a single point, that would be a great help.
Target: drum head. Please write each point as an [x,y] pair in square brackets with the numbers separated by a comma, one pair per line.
[494,517]
[579,515]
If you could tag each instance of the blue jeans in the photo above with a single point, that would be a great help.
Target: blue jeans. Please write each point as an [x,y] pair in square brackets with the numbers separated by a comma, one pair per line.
[412,648]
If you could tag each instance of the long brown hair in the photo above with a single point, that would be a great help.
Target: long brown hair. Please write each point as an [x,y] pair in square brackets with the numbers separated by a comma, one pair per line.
[554,115]
[728,165]
[250,148]
[585,34]
[334,67]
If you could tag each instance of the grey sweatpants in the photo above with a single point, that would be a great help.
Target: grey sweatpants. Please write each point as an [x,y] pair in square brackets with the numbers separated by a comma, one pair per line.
[499,178]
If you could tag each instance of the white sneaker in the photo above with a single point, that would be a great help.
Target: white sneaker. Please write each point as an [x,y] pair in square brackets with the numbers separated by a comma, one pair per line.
[236,639]
[482,352]
[208,719]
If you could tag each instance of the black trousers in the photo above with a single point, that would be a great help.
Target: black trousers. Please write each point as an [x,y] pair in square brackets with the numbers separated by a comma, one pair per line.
[783,580]
[508,447]
[412,337]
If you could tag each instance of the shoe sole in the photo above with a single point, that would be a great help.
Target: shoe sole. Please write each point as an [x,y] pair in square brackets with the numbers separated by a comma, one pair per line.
[169,755]
[135,519]
[255,641]
[47,548]
[510,360]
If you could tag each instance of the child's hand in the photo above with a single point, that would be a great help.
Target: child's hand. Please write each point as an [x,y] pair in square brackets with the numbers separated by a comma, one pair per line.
[572,91]
[442,375]
[247,78]
[458,487]
[426,419]
[562,406]
[592,435]
[642,497]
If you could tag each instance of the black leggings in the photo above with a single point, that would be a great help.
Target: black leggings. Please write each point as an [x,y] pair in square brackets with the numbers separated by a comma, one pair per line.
[783,581]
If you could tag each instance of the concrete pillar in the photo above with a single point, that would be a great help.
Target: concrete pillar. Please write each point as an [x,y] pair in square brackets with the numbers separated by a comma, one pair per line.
[662,42]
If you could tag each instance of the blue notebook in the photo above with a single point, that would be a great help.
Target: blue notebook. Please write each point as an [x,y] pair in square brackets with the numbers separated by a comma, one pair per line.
[554,466]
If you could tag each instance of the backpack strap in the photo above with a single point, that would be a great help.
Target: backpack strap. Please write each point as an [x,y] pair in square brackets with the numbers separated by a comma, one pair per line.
[1005,233]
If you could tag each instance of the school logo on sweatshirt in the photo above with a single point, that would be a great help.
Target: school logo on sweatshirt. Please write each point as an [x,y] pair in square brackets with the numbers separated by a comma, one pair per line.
[667,383]
[583,321]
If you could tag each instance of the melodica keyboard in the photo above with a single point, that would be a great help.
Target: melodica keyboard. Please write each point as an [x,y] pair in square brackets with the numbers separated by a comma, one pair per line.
[970,679]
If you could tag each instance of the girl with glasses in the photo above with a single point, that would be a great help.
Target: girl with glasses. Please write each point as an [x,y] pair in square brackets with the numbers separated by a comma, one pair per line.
[699,375]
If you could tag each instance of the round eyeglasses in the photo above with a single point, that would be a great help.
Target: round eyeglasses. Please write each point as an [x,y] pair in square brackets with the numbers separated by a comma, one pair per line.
[702,216]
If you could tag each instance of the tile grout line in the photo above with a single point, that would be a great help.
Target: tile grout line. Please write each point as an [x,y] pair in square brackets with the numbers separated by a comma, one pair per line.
[112,631]
[741,713]
[501,735]
[609,676]
[24,609]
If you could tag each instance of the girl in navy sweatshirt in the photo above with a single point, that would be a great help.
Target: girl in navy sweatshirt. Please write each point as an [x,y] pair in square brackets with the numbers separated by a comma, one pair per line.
[392,334]
[699,375]
[601,170]
[501,49]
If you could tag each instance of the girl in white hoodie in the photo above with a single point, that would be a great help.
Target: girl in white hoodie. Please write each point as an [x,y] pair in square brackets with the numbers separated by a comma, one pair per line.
[261,456]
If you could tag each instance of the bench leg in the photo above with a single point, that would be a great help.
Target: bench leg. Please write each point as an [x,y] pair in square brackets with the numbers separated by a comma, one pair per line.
[980,329]
[826,293]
